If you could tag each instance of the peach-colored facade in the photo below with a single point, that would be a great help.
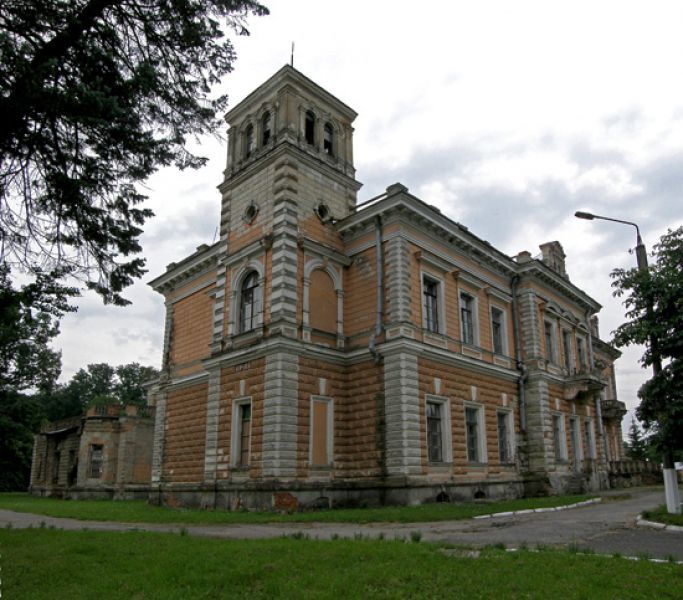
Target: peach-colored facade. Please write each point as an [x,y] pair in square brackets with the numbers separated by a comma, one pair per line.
[372,353]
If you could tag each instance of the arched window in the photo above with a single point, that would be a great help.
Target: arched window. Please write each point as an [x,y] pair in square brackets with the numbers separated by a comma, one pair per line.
[322,302]
[328,139]
[309,128]
[265,128]
[249,141]
[250,302]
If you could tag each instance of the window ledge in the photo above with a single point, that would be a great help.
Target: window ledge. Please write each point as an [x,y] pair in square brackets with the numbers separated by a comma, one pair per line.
[502,361]
[469,350]
[248,337]
[440,465]
[432,337]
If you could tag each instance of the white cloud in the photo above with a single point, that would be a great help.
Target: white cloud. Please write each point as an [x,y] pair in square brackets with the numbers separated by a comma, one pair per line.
[508,116]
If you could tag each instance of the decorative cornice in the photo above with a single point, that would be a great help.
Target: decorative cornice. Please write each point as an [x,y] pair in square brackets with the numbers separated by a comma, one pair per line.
[199,263]
[319,249]
[288,78]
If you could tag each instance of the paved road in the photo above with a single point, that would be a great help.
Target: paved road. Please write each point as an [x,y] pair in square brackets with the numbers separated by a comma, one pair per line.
[608,527]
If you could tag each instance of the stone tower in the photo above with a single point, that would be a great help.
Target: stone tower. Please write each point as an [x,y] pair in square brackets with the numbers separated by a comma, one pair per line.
[289,169]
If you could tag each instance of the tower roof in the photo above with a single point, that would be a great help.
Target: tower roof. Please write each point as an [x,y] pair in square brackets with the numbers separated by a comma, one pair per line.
[288,75]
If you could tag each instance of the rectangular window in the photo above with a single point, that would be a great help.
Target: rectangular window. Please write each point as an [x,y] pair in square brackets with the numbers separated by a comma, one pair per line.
[55,467]
[321,432]
[589,439]
[575,440]
[434,433]
[431,304]
[504,437]
[581,352]
[96,460]
[567,347]
[467,318]
[497,329]
[472,434]
[244,434]
[549,345]
[559,438]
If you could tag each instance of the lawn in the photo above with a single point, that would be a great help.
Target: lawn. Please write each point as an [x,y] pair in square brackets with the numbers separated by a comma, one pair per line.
[45,563]
[660,515]
[129,511]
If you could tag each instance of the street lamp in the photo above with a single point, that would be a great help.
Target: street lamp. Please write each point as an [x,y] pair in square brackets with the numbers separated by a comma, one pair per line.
[673,501]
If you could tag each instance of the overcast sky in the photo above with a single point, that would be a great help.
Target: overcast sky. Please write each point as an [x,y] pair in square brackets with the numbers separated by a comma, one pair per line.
[508,116]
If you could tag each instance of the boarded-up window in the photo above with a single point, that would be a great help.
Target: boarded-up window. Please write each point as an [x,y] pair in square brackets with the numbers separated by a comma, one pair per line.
[322,302]
[320,436]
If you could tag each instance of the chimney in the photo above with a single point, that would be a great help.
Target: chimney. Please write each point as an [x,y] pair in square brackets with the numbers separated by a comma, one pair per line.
[553,257]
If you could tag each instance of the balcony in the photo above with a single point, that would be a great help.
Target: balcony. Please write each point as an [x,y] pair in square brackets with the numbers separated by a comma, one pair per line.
[583,384]
[612,409]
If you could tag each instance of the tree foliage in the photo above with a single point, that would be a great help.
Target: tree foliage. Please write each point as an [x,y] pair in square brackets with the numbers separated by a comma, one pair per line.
[95,95]
[29,319]
[21,414]
[654,309]
[20,418]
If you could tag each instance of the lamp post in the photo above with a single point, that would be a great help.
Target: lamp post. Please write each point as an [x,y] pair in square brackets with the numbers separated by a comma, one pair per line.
[673,500]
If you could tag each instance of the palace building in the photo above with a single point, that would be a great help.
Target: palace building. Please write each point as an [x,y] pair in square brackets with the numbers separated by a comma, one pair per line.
[329,352]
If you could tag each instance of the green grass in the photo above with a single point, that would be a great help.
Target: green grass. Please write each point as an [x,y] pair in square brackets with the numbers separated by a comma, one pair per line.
[44,563]
[661,516]
[129,511]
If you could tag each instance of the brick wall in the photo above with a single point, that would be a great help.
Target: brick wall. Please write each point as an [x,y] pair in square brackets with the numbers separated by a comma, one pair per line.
[456,386]
[359,450]
[185,434]
[191,332]
[252,373]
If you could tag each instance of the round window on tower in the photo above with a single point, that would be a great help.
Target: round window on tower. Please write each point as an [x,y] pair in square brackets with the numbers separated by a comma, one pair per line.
[250,213]
[323,212]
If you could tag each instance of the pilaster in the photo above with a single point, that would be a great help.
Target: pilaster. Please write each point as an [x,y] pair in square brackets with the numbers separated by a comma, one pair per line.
[283,301]
[397,267]
[539,425]
[280,415]
[529,325]
[212,411]
[159,435]
[402,414]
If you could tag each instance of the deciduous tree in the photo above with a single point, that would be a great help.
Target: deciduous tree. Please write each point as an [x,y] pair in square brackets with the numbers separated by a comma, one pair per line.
[654,303]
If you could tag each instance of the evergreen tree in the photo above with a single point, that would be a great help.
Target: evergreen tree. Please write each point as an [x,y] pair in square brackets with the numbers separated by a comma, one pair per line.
[95,95]
[637,447]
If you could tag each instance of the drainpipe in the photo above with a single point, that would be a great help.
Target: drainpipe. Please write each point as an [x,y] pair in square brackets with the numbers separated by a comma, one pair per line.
[380,289]
[518,356]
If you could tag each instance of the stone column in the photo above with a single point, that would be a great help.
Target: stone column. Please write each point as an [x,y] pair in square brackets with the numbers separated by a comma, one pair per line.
[280,415]
[211,444]
[159,434]
[402,414]
[540,446]
[397,279]
[283,300]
